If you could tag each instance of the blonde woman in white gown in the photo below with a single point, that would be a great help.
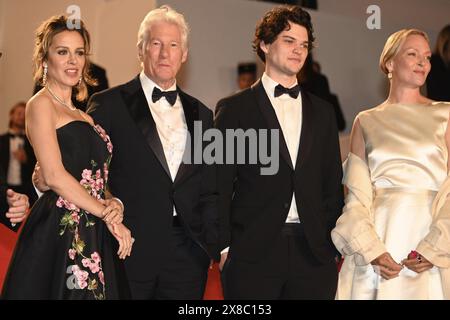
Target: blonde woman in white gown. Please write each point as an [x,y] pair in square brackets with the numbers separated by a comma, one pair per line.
[396,176]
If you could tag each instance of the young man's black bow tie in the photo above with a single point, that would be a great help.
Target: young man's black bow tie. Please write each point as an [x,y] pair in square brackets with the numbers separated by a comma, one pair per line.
[293,92]
[171,96]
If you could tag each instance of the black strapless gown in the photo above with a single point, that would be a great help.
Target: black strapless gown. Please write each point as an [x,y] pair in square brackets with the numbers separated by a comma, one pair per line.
[64,252]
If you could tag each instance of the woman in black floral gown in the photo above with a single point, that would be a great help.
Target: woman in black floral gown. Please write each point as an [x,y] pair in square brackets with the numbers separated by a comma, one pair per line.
[67,249]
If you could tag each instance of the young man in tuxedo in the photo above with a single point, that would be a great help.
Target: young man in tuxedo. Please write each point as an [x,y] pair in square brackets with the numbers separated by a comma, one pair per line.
[170,204]
[275,229]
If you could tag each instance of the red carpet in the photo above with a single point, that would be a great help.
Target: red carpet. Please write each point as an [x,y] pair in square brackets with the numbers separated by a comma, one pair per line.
[8,240]
[213,286]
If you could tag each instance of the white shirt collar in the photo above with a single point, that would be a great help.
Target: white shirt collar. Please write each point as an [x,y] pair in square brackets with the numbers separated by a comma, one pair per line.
[269,84]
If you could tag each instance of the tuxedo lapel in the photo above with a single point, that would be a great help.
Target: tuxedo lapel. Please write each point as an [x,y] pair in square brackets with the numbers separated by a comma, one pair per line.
[271,118]
[136,102]
[190,109]
[306,132]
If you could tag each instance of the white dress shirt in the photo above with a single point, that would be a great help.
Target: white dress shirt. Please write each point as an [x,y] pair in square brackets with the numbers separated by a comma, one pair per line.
[289,114]
[170,123]
[14,174]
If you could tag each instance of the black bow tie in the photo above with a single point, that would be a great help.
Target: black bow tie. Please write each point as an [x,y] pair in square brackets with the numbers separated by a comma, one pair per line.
[171,96]
[293,92]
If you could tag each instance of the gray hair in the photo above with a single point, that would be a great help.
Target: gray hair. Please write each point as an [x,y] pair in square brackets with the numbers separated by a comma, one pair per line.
[163,13]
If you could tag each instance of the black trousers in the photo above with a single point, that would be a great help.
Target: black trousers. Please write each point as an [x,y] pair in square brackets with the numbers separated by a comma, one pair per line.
[288,271]
[183,276]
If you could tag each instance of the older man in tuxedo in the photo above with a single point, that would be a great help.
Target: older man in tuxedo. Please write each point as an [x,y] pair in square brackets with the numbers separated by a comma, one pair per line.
[170,204]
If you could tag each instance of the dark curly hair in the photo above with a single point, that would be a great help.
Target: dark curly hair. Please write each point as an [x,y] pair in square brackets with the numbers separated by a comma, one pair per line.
[276,21]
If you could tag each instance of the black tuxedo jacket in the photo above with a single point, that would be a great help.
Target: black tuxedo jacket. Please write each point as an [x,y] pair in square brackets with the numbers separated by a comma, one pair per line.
[252,207]
[3,203]
[140,177]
